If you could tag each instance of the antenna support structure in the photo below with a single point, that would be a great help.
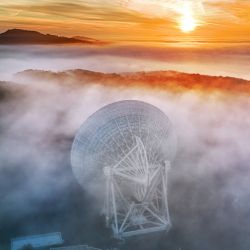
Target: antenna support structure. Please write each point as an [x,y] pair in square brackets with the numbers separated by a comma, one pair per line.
[148,212]
[121,155]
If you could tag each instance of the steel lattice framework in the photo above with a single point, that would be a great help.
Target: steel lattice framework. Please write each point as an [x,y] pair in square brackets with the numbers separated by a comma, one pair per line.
[128,146]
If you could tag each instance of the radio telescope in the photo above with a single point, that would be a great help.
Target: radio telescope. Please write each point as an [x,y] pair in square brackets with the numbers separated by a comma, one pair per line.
[123,153]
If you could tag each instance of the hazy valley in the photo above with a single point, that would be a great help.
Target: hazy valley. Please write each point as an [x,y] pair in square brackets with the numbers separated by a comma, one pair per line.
[42,111]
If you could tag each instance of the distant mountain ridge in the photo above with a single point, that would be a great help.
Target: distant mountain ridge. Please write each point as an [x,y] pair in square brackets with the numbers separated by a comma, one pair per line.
[162,80]
[19,36]
[89,39]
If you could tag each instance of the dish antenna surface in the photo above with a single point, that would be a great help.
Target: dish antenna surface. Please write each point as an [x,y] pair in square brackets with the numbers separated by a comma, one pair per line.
[123,153]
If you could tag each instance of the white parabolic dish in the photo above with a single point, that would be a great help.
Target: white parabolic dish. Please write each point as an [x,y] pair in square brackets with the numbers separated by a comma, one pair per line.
[109,134]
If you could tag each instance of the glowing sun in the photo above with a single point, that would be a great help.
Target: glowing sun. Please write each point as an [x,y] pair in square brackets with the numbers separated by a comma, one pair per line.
[187,22]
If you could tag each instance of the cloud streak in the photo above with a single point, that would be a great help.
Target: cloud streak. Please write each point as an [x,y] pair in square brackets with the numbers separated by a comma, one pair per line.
[147,19]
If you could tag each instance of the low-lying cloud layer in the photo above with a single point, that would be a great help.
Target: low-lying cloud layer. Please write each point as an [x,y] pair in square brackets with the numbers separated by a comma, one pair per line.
[228,61]
[208,183]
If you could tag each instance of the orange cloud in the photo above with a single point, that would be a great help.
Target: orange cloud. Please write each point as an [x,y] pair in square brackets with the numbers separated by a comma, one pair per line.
[129,20]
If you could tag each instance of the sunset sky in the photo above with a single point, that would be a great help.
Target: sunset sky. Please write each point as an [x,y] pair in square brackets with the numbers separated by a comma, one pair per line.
[132,20]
